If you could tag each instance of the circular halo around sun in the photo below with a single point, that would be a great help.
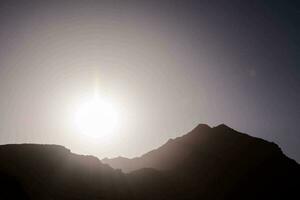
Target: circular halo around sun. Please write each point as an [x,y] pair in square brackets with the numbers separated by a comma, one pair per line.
[98,118]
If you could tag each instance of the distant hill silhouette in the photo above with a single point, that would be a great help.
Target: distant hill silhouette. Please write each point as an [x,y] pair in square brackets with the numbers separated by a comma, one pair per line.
[207,163]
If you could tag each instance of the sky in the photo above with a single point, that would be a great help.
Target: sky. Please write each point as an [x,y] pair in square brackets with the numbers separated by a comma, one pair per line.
[167,65]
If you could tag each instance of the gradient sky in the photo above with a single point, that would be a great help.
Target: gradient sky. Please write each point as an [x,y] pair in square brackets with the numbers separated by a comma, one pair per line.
[169,65]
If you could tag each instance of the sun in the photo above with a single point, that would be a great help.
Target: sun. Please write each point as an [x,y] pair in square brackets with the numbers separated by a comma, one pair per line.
[97,117]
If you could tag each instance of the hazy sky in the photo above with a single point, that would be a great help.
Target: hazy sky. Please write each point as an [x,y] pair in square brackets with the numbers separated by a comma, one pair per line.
[168,65]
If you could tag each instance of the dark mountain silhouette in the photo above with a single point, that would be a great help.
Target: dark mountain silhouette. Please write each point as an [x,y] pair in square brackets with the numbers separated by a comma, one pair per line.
[53,172]
[167,156]
[220,142]
[220,163]
[207,163]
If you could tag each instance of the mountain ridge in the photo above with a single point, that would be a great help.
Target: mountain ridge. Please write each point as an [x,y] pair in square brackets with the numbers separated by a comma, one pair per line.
[207,163]
[127,164]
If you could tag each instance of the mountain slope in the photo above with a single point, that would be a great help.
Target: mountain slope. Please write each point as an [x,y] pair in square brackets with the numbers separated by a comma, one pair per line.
[220,141]
[218,163]
[207,163]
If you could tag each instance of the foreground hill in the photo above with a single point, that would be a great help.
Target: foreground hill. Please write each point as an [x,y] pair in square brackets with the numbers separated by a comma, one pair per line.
[31,171]
[207,163]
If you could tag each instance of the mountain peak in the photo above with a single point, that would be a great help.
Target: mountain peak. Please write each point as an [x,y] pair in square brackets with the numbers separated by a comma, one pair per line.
[223,126]
[202,127]
[203,139]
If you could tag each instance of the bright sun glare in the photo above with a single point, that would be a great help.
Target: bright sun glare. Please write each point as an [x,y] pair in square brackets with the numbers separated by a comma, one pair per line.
[97,117]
